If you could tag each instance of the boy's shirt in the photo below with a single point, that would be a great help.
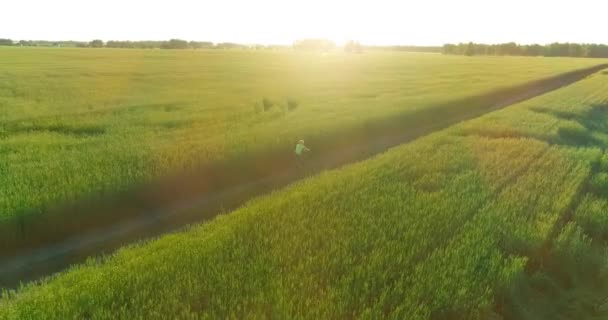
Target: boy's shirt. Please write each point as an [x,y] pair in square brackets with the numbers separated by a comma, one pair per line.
[300,148]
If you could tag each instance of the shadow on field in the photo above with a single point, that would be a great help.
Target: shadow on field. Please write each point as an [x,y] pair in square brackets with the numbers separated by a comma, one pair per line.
[581,131]
[86,131]
[571,284]
[586,126]
[567,278]
[34,246]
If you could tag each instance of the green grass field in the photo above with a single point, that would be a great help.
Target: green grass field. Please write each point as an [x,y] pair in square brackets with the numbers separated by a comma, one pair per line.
[76,122]
[501,217]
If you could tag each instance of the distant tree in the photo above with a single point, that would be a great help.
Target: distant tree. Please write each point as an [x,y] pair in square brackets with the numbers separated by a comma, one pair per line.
[557,50]
[513,49]
[483,49]
[6,42]
[470,49]
[200,44]
[597,51]
[229,45]
[113,44]
[533,50]
[509,49]
[70,43]
[175,44]
[490,50]
[147,44]
[576,50]
[450,49]
[96,44]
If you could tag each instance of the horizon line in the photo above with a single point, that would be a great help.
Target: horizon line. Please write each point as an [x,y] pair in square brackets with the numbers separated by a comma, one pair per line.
[337,43]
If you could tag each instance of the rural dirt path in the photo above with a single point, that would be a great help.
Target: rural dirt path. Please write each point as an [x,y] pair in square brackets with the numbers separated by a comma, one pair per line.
[29,250]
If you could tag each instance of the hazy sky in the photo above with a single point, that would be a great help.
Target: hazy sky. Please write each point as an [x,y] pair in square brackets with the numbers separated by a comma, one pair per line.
[423,22]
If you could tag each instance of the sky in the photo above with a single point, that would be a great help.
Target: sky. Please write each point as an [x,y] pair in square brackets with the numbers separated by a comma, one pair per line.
[373,22]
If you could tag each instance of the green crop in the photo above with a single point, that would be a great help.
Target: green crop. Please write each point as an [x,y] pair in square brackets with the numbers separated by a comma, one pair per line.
[440,228]
[77,122]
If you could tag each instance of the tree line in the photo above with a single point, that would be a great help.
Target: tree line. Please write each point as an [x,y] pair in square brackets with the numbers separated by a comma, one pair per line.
[169,44]
[323,45]
[40,43]
[514,49]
